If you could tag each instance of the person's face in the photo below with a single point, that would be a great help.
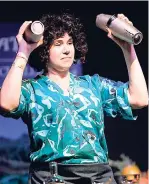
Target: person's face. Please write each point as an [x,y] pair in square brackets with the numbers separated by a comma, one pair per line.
[62,53]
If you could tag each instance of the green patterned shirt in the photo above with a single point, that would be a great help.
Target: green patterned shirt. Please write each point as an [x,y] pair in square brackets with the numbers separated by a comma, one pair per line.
[69,128]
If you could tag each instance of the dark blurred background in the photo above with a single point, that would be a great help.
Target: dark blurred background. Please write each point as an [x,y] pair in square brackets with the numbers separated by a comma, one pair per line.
[105,58]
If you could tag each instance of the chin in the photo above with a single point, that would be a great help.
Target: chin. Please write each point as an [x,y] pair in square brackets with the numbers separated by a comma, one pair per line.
[66,66]
[63,69]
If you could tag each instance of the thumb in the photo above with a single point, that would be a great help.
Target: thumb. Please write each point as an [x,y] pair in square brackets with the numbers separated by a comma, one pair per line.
[109,33]
[40,41]
[35,45]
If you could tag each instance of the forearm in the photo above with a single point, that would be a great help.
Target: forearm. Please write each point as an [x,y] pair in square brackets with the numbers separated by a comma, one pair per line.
[138,95]
[11,87]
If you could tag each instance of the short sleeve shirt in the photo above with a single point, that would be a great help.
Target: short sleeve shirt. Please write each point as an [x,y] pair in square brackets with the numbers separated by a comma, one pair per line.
[69,128]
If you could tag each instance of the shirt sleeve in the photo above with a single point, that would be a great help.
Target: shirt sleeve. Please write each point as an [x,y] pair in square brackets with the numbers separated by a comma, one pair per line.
[23,103]
[114,96]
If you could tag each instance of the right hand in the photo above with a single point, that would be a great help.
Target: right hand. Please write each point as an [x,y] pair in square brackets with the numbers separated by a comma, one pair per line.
[24,47]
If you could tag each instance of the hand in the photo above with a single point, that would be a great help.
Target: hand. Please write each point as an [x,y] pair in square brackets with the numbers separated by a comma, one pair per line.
[24,47]
[125,46]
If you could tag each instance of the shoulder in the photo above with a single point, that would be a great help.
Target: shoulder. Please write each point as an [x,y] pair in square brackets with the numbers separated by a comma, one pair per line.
[29,83]
[26,83]
[31,80]
[91,81]
[89,78]
[94,79]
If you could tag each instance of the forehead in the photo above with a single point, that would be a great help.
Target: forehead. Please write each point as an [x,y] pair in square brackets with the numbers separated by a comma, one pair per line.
[66,36]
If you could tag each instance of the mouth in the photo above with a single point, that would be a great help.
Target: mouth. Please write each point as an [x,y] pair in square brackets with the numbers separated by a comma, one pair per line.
[66,58]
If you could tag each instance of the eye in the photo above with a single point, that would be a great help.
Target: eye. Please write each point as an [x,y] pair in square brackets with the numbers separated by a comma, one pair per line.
[57,43]
[70,42]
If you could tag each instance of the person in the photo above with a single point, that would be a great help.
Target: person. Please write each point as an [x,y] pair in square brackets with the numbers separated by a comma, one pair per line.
[64,113]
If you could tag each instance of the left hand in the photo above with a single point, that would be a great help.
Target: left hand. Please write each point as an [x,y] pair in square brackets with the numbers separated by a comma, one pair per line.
[125,46]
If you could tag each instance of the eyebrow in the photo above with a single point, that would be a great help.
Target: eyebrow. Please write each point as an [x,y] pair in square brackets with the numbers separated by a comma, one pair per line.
[60,39]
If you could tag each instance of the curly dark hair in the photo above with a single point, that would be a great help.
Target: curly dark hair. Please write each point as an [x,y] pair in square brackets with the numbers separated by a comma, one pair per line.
[56,25]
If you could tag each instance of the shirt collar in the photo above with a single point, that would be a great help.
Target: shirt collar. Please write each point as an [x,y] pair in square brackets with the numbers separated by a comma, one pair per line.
[48,81]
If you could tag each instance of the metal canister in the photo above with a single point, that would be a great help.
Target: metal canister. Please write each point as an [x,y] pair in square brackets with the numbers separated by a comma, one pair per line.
[34,32]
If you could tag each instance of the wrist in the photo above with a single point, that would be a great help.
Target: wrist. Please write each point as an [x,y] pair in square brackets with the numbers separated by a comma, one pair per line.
[23,56]
[130,55]
[19,63]
[128,49]
[24,52]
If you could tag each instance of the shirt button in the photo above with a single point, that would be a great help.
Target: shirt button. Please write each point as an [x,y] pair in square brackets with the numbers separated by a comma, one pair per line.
[92,137]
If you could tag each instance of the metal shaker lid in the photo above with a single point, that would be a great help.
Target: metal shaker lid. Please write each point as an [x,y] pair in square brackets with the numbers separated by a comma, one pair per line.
[37,27]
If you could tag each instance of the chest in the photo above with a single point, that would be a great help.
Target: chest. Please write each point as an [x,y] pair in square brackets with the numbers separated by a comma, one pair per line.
[52,105]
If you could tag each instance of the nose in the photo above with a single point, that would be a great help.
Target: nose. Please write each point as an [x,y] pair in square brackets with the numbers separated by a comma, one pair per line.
[66,49]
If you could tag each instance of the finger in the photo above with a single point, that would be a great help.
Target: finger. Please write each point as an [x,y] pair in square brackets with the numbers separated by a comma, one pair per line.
[110,36]
[120,15]
[108,30]
[130,23]
[35,45]
[126,19]
[23,27]
[40,41]
[109,33]
[19,37]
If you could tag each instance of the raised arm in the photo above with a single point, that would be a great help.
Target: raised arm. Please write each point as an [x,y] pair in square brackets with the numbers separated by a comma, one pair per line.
[11,87]
[137,91]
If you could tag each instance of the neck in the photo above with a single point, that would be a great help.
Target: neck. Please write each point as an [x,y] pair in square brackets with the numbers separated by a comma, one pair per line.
[60,78]
[57,75]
